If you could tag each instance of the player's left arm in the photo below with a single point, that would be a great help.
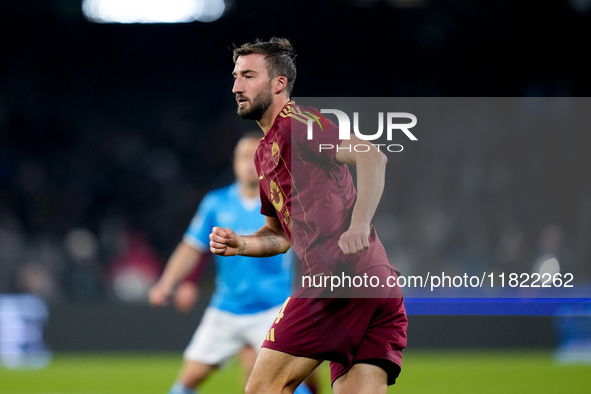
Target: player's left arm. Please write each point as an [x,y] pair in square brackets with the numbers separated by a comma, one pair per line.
[371,174]
[269,240]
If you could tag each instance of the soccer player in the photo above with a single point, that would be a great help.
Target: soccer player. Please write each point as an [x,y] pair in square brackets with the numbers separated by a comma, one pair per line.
[249,291]
[310,203]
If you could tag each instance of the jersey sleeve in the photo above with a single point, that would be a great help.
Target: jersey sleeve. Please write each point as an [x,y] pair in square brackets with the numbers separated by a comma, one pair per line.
[267,207]
[197,234]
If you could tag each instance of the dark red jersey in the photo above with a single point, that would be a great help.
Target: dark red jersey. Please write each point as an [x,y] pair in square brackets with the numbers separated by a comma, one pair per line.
[313,196]
[310,192]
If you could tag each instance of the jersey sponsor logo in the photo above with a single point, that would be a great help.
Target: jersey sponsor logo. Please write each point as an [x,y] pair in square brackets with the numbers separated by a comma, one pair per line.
[276,196]
[277,201]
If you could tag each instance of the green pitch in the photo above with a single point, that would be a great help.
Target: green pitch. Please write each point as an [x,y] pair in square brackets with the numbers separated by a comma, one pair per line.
[423,372]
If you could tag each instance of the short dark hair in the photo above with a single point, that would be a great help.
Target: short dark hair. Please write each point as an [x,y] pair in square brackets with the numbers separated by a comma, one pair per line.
[279,54]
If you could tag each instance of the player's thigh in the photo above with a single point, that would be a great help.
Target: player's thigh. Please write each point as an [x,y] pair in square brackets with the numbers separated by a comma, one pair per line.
[216,339]
[274,370]
[362,379]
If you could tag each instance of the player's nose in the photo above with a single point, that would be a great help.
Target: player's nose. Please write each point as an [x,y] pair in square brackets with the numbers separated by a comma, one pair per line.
[237,87]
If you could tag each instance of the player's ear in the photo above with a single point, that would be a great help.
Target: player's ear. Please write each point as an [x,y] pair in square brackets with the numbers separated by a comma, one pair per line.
[279,84]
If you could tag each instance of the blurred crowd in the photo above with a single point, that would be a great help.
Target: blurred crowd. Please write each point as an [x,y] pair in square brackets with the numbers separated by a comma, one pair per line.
[88,193]
[110,136]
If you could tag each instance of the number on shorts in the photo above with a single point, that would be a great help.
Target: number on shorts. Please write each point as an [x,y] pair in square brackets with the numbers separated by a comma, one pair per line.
[281,314]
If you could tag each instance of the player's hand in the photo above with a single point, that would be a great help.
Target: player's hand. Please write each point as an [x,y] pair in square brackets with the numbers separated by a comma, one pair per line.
[355,239]
[225,242]
[158,295]
[186,296]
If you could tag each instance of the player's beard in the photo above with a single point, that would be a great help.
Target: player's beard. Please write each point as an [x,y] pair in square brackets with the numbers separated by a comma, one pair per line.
[259,105]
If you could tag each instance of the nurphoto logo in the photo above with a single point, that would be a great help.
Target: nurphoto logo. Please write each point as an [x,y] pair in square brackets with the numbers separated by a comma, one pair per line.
[344,124]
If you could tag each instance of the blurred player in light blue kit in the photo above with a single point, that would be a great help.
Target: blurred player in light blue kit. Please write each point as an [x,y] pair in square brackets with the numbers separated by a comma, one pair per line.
[249,292]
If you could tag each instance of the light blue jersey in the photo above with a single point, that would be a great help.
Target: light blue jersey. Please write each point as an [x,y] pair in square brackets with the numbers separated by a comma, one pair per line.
[244,285]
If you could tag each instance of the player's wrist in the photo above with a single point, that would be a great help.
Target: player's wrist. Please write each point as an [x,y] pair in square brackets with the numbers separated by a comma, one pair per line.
[360,225]
[241,245]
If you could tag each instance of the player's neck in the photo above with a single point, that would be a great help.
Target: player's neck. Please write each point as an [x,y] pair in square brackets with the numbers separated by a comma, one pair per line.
[268,118]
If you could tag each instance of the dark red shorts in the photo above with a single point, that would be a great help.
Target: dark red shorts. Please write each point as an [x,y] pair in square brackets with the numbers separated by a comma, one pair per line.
[345,331]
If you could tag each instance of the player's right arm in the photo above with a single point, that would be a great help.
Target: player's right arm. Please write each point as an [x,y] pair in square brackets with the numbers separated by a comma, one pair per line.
[182,261]
[269,240]
[371,174]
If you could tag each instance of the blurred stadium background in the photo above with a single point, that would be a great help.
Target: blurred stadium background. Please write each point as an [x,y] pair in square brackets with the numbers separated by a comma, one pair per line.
[111,133]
